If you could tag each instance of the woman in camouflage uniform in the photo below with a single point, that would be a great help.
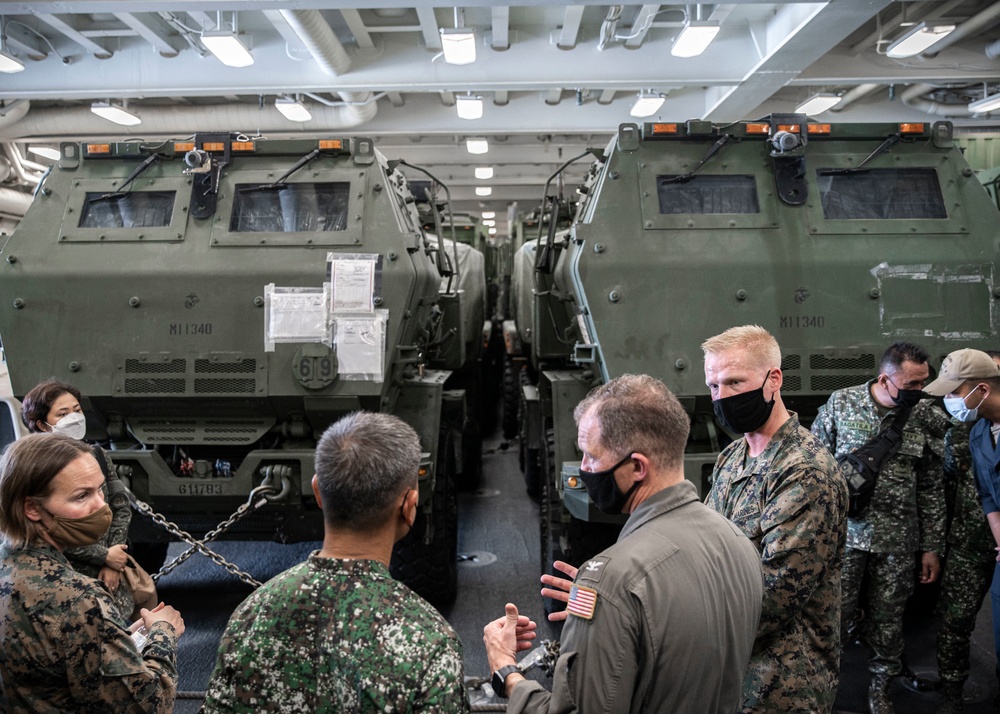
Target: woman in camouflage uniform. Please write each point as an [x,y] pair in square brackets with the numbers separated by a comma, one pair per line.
[54,407]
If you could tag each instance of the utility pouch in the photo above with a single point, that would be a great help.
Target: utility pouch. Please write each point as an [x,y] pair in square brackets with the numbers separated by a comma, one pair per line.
[861,467]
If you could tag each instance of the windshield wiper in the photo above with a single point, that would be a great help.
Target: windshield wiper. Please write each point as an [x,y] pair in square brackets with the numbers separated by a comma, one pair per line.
[879,150]
[136,173]
[723,140]
[279,183]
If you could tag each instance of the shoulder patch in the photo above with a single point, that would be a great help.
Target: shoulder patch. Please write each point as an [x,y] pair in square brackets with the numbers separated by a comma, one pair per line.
[582,601]
[593,569]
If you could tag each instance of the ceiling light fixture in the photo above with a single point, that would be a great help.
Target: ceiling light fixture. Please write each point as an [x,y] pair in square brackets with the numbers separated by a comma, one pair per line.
[8,62]
[694,38]
[114,113]
[986,104]
[489,214]
[226,46]
[817,104]
[489,222]
[458,45]
[917,40]
[46,152]
[477,146]
[292,109]
[483,190]
[647,104]
[483,173]
[469,107]
[493,231]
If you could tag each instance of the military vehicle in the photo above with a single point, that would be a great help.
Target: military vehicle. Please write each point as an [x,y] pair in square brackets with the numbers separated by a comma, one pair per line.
[220,301]
[838,238]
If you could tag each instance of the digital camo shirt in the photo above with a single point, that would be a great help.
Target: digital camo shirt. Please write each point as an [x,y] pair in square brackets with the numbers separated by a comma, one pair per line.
[331,635]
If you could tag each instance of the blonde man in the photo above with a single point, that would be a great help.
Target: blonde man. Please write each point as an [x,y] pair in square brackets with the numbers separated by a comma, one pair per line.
[781,487]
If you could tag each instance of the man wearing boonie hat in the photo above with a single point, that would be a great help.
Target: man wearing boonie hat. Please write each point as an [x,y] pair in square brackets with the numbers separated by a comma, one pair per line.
[969,381]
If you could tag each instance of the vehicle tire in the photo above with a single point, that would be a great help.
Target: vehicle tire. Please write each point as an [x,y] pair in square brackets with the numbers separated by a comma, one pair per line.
[530,460]
[511,398]
[551,526]
[431,569]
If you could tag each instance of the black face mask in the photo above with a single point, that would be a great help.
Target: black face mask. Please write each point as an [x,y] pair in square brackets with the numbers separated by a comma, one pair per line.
[905,397]
[745,412]
[603,490]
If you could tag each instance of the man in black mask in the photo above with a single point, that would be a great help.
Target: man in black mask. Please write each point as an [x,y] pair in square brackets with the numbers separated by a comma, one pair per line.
[663,620]
[906,514]
[782,489]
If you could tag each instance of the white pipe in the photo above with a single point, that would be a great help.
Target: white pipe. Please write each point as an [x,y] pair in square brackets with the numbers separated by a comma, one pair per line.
[854,95]
[13,202]
[71,123]
[15,163]
[912,96]
[319,39]
[980,21]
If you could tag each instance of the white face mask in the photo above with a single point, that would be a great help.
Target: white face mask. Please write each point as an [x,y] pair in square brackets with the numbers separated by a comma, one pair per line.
[957,407]
[73,425]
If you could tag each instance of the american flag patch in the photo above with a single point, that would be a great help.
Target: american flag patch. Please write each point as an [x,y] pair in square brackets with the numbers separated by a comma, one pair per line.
[582,601]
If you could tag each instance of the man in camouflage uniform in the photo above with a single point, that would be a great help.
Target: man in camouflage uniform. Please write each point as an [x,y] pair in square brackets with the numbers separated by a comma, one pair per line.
[781,487]
[337,633]
[907,510]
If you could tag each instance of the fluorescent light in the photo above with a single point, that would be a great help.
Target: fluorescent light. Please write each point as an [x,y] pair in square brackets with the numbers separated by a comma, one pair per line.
[918,39]
[458,45]
[817,104]
[986,104]
[227,48]
[111,112]
[483,173]
[46,151]
[483,190]
[293,109]
[489,214]
[469,107]
[647,104]
[477,146]
[10,64]
[489,222]
[694,38]
[493,231]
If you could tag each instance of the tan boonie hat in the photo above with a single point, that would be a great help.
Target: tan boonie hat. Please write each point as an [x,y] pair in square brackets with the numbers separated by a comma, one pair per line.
[959,366]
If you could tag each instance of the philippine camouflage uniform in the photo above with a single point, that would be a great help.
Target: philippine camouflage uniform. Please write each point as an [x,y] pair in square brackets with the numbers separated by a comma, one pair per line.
[906,513]
[970,561]
[64,649]
[89,559]
[332,635]
[791,501]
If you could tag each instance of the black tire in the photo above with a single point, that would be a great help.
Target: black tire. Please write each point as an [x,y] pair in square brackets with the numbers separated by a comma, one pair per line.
[530,459]
[511,398]
[431,570]
[551,530]
[472,457]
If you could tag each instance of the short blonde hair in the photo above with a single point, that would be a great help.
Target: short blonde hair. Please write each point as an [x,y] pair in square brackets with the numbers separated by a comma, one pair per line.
[26,471]
[757,345]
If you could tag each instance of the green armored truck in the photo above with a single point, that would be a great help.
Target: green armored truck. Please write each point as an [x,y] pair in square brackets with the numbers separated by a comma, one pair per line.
[220,301]
[837,238]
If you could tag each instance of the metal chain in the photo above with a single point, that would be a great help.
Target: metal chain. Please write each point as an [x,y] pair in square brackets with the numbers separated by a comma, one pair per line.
[198,546]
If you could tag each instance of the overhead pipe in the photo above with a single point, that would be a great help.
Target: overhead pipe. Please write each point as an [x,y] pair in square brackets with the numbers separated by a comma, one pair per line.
[17,164]
[912,96]
[319,39]
[14,202]
[80,123]
[980,21]
[854,95]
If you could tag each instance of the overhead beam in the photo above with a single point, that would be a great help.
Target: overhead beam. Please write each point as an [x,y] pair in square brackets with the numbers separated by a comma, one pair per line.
[151,29]
[357,27]
[640,28]
[570,27]
[61,23]
[395,99]
[500,21]
[429,27]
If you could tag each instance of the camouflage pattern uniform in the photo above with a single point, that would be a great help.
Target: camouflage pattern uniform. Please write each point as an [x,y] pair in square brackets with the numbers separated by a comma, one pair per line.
[906,514]
[970,562]
[64,649]
[331,635]
[89,559]
[791,501]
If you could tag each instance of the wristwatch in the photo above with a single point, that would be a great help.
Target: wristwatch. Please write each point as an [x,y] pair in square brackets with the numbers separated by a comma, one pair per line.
[500,678]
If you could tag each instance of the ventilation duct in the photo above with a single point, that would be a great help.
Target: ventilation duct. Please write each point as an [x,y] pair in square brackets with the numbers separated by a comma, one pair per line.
[913,96]
[319,39]
[978,22]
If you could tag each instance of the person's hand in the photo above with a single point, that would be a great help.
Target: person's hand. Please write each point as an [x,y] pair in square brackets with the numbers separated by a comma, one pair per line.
[930,567]
[134,627]
[111,578]
[117,557]
[558,588]
[163,613]
[506,636]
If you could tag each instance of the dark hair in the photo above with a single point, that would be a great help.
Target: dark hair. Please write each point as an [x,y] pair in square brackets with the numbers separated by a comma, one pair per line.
[27,468]
[995,354]
[899,352]
[37,403]
[363,463]
[638,412]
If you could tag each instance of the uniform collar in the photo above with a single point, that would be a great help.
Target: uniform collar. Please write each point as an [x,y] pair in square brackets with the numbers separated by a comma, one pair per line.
[670,498]
[763,460]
